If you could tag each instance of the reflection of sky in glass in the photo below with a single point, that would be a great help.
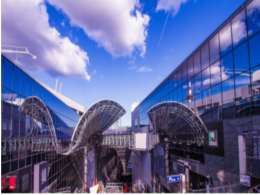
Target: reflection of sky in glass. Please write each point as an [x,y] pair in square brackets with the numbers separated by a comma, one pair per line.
[242,80]
[239,33]
[190,68]
[214,48]
[184,72]
[215,73]
[216,90]
[205,56]
[241,58]
[180,93]
[197,83]
[254,48]
[228,85]
[253,17]
[227,69]
[197,67]
[205,79]
[255,72]
[225,39]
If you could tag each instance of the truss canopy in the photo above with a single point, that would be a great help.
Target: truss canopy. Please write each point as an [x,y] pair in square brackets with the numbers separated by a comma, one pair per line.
[99,117]
[177,122]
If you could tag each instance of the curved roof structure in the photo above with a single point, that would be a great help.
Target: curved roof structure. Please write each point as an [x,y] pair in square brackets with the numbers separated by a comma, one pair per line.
[96,119]
[178,122]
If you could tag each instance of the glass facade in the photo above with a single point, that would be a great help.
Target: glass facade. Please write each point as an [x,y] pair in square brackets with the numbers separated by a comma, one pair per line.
[16,87]
[224,74]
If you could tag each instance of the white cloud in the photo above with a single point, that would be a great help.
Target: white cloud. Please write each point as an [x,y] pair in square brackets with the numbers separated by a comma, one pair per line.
[144,69]
[26,24]
[116,25]
[62,23]
[239,28]
[170,5]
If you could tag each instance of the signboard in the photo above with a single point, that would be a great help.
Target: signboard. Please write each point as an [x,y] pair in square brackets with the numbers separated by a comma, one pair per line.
[173,178]
[180,167]
[245,179]
[11,183]
[2,183]
[213,138]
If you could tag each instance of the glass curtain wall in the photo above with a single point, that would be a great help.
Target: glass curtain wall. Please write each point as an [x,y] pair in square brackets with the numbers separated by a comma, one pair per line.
[16,87]
[224,72]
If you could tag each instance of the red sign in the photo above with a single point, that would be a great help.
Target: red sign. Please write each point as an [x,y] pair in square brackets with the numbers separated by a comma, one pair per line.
[125,188]
[2,183]
[11,183]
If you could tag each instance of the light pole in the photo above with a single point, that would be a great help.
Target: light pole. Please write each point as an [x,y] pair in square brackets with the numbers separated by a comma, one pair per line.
[23,50]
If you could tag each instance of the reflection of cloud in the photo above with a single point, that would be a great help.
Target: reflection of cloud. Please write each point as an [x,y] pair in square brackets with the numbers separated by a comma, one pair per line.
[144,69]
[225,37]
[206,82]
[239,27]
[197,83]
[185,86]
[253,6]
[241,81]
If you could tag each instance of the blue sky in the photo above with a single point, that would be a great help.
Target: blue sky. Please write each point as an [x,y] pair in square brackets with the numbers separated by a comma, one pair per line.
[110,50]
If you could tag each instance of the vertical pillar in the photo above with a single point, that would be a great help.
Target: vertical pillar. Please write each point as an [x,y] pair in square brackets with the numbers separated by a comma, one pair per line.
[85,167]
[242,154]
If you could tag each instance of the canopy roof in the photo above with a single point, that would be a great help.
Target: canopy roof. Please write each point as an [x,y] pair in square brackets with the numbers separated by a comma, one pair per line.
[178,122]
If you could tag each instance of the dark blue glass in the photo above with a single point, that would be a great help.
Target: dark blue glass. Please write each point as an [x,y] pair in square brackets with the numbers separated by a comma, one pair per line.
[16,104]
[216,94]
[6,124]
[2,70]
[175,82]
[7,98]
[254,49]
[215,73]
[30,87]
[206,97]
[206,78]
[8,74]
[241,63]
[40,92]
[185,90]
[15,131]
[22,126]
[24,84]
[205,56]
[227,69]
[178,72]
[35,88]
[225,40]
[190,68]
[184,72]
[197,65]
[239,31]
[180,94]
[175,95]
[253,17]
[214,48]
[17,80]
[197,83]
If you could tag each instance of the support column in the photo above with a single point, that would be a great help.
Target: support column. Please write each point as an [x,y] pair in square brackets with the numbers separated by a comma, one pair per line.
[242,154]
[85,167]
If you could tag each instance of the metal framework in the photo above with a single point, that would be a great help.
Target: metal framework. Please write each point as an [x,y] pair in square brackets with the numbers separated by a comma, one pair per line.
[178,122]
[99,117]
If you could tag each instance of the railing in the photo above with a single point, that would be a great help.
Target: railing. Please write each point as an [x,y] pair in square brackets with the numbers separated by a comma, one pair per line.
[64,190]
[117,140]
[236,188]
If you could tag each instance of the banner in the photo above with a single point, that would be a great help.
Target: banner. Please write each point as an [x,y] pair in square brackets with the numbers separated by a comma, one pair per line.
[2,183]
[11,183]
[213,138]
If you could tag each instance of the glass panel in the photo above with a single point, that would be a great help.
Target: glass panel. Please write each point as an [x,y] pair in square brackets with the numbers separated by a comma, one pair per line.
[24,85]
[180,94]
[241,59]
[185,90]
[17,80]
[5,168]
[190,68]
[205,79]
[7,98]
[16,104]
[242,83]
[255,80]
[15,120]
[214,48]
[239,32]
[179,76]
[22,126]
[30,87]
[197,66]
[40,92]
[253,17]
[197,83]
[198,100]
[205,56]
[228,91]
[254,49]
[6,124]
[14,165]
[175,82]
[184,73]
[2,70]
[215,73]
[8,74]
[175,95]
[35,88]
[225,40]
[206,99]
[227,70]
[216,94]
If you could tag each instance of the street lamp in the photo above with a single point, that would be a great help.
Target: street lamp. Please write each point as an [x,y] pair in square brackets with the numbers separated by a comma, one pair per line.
[24,51]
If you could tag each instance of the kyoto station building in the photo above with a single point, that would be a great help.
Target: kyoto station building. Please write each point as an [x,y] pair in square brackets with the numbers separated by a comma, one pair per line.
[203,120]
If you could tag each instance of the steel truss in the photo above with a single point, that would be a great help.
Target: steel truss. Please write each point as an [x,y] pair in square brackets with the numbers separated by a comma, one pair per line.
[99,117]
[116,140]
[178,122]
